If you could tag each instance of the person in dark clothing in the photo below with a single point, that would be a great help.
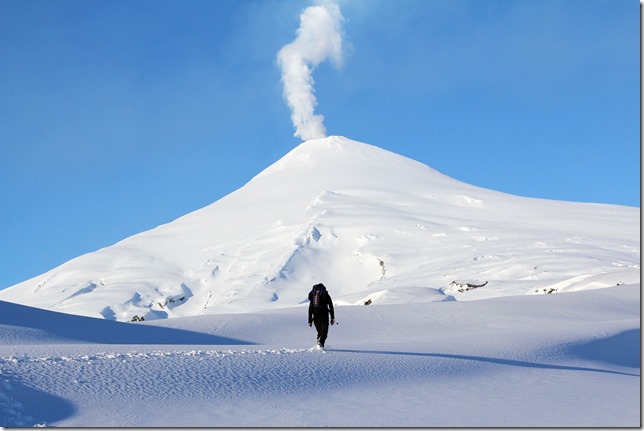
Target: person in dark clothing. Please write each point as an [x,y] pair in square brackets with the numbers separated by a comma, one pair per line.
[320,306]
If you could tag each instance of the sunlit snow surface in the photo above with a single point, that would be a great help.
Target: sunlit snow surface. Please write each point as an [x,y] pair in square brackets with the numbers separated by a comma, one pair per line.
[370,224]
[571,359]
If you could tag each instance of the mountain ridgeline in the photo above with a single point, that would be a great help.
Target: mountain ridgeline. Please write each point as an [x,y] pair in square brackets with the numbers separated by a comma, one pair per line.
[373,226]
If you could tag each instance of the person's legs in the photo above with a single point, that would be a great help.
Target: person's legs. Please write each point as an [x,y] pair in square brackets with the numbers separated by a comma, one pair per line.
[321,321]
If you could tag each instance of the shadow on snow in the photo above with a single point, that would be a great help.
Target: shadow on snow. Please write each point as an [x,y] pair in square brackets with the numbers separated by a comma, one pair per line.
[622,349]
[53,328]
[502,361]
[24,406]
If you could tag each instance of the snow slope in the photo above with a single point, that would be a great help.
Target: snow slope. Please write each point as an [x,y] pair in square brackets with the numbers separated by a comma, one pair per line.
[370,224]
[566,360]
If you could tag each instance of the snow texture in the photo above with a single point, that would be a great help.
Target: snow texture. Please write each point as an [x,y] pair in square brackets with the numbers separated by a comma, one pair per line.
[552,360]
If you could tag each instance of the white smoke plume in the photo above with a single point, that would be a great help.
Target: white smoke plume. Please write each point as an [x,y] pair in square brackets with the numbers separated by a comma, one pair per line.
[319,38]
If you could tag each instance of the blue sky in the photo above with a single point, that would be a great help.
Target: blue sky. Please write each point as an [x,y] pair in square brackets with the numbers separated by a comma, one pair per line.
[118,116]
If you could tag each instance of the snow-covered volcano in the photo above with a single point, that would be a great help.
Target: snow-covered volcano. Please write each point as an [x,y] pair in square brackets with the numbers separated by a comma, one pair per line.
[368,223]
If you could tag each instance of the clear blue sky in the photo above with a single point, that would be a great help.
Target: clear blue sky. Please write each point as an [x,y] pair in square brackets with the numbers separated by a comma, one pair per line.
[117,116]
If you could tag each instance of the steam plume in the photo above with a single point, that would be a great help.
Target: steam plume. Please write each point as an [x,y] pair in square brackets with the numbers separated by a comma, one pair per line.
[319,38]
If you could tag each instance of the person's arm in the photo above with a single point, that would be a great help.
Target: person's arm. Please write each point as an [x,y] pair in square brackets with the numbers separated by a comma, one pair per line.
[331,309]
[310,310]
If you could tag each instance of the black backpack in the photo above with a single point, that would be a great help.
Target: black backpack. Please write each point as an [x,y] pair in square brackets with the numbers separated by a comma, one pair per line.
[316,295]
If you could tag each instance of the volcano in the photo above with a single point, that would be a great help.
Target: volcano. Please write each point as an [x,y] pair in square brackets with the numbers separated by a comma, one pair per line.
[372,225]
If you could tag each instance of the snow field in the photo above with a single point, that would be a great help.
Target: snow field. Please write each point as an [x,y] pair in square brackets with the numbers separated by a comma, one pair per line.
[553,360]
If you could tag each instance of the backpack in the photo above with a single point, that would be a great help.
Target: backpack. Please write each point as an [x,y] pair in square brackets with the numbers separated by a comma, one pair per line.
[316,295]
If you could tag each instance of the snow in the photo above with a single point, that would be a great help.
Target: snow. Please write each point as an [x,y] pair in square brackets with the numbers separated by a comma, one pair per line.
[571,359]
[486,309]
[370,224]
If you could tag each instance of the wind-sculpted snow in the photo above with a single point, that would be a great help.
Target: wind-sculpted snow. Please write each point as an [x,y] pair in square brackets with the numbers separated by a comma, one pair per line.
[159,377]
[568,360]
[156,375]
[216,376]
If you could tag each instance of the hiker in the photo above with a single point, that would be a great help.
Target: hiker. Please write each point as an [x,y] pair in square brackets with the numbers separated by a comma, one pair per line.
[320,306]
